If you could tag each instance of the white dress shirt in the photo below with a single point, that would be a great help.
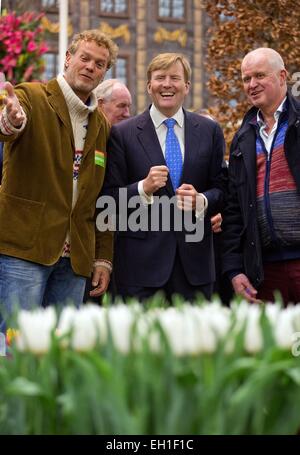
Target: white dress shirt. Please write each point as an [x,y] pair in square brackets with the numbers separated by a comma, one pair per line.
[161,130]
[268,137]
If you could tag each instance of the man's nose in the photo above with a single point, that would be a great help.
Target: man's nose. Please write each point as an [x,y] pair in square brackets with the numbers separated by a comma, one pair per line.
[253,82]
[167,81]
[126,112]
[90,65]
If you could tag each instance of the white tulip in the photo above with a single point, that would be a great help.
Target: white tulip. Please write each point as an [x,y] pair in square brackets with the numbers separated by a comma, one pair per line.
[219,319]
[65,325]
[35,329]
[146,331]
[66,320]
[272,311]
[85,325]
[84,333]
[295,309]
[205,335]
[98,317]
[284,328]
[191,330]
[187,330]
[253,341]
[121,318]
[240,313]
[171,321]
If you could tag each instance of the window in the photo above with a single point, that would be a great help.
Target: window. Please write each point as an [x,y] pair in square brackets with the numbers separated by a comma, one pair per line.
[113,7]
[51,66]
[171,9]
[119,70]
[49,4]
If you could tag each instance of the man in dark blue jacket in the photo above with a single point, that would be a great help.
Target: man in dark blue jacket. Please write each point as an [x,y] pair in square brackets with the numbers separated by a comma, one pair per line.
[139,164]
[261,228]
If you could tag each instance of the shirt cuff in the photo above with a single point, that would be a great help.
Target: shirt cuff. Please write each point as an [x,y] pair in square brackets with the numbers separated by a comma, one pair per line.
[146,199]
[6,126]
[103,263]
[201,206]
[232,273]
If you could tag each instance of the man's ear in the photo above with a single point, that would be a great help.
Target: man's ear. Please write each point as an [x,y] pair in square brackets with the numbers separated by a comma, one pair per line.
[67,60]
[187,86]
[283,76]
[149,87]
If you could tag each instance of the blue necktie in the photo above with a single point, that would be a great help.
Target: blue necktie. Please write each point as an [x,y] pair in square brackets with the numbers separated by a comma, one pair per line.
[173,154]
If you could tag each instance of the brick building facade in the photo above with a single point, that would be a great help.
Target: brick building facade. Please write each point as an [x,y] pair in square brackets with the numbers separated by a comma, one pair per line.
[141,28]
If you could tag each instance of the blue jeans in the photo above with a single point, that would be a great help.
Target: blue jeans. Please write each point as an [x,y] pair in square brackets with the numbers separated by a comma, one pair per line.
[27,284]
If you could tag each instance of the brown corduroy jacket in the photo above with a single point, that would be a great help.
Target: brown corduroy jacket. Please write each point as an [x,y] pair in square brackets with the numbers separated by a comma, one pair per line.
[37,184]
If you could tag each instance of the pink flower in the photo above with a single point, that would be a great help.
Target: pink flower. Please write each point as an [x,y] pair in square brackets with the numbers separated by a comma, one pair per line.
[14,46]
[21,46]
[29,34]
[8,62]
[31,46]
[43,48]
[28,73]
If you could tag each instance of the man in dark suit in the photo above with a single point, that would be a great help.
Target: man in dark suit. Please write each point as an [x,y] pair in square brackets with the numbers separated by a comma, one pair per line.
[139,163]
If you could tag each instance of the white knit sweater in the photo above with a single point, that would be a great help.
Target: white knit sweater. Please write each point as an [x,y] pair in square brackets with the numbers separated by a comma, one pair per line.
[79,113]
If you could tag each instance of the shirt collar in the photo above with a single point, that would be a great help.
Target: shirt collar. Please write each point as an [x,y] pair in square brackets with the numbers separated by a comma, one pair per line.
[279,110]
[158,118]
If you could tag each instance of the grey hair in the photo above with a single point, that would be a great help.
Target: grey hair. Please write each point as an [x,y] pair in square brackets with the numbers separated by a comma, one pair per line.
[274,58]
[104,90]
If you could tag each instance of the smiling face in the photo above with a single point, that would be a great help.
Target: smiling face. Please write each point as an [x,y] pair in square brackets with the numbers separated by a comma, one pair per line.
[86,68]
[168,88]
[264,81]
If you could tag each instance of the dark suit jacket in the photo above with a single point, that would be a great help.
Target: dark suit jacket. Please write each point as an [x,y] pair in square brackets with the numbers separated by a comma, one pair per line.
[146,258]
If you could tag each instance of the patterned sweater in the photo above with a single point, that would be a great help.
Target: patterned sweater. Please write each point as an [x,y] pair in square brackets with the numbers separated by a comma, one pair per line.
[278,202]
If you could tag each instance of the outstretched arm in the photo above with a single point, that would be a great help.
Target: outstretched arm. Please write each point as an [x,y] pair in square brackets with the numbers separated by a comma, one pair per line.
[13,117]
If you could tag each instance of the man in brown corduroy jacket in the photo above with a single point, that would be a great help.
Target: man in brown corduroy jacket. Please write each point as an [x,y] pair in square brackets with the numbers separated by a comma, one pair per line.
[55,157]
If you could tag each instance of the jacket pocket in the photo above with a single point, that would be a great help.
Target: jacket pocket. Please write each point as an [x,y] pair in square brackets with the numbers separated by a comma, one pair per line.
[20,221]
